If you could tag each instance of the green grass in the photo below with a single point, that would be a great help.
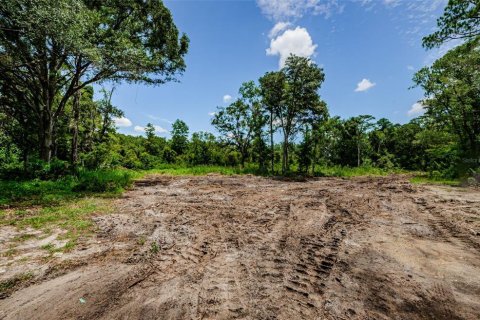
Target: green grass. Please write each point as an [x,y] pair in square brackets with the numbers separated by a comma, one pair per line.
[50,193]
[425,179]
[338,171]
[178,170]
[72,216]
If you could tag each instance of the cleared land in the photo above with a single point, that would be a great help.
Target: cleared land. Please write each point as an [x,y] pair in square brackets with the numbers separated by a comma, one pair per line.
[242,247]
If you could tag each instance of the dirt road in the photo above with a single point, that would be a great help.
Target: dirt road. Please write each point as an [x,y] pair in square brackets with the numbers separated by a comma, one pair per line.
[219,247]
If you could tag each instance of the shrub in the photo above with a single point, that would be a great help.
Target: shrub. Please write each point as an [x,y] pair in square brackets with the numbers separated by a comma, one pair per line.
[103,180]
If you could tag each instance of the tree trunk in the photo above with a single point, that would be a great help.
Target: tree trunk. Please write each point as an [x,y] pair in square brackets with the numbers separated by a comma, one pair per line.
[285,154]
[46,136]
[76,118]
[358,154]
[243,156]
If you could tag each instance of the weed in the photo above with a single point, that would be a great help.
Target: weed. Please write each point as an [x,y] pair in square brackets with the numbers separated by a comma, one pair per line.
[141,241]
[154,249]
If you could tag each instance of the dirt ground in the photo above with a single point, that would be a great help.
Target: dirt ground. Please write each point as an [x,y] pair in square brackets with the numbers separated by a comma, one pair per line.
[243,247]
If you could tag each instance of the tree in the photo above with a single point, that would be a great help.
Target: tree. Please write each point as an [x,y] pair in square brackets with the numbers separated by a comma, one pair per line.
[460,20]
[51,49]
[201,148]
[233,122]
[238,123]
[353,142]
[272,88]
[380,141]
[303,80]
[313,119]
[107,112]
[250,95]
[179,140]
[452,94]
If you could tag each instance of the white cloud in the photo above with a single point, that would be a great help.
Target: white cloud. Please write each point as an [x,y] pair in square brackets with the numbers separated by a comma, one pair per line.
[293,41]
[416,109]
[122,122]
[227,98]
[158,129]
[281,10]
[411,68]
[211,114]
[364,85]
[277,28]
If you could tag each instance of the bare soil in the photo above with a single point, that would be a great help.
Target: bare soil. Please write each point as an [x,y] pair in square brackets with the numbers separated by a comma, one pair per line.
[243,247]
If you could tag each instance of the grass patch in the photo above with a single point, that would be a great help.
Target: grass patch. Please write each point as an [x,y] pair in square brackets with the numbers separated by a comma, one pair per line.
[178,170]
[338,171]
[50,193]
[72,216]
[425,179]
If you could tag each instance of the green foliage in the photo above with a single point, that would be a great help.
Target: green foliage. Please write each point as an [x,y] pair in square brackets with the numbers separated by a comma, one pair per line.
[103,181]
[60,47]
[459,21]
[241,122]
[179,140]
[52,192]
[452,98]
[339,171]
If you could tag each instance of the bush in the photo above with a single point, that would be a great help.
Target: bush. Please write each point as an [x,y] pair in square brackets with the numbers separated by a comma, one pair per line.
[104,181]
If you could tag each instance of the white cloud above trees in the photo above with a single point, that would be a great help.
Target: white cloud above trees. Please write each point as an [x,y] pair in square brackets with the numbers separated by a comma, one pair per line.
[364,85]
[122,122]
[292,41]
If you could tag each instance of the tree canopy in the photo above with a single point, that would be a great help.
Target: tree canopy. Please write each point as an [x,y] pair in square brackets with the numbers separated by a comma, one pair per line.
[460,20]
[51,49]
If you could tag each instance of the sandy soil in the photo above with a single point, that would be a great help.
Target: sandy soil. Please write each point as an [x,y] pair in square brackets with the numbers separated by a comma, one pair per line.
[219,247]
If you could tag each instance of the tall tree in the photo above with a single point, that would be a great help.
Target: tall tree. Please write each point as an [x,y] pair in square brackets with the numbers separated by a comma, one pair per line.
[452,94]
[242,121]
[303,80]
[51,49]
[250,95]
[234,123]
[272,86]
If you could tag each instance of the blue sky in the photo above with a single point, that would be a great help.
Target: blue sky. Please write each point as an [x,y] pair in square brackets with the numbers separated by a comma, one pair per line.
[369,50]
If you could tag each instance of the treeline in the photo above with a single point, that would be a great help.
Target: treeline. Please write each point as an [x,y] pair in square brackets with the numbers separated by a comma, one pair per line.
[51,52]
[247,127]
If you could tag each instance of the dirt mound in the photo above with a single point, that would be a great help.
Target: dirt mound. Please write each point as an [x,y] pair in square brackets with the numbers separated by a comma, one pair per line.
[219,247]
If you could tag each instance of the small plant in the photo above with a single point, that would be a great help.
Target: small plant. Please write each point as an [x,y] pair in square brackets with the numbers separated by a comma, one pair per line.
[154,249]
[141,241]
[50,247]
[69,245]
